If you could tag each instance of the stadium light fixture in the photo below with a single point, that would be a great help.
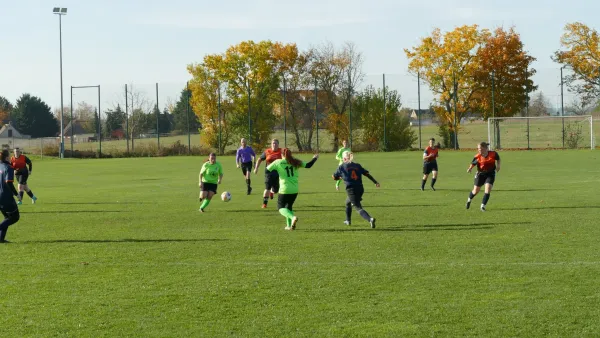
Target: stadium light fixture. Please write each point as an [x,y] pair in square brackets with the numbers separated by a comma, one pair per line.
[60,11]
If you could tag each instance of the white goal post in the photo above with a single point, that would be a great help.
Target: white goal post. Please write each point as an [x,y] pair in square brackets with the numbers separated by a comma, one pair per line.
[541,132]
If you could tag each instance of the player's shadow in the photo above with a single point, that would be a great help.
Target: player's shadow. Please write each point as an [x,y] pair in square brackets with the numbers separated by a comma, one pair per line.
[72,211]
[425,227]
[126,240]
[342,193]
[94,203]
[493,191]
[323,208]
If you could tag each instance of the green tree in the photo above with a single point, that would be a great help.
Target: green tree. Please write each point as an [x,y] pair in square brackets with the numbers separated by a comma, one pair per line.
[114,120]
[33,117]
[180,114]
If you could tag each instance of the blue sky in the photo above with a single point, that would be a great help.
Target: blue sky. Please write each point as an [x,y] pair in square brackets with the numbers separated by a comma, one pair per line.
[112,43]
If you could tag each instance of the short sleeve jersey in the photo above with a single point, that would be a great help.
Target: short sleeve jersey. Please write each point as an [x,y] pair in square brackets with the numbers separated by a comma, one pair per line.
[288,176]
[430,151]
[486,164]
[210,172]
[270,155]
[7,173]
[340,153]
[351,173]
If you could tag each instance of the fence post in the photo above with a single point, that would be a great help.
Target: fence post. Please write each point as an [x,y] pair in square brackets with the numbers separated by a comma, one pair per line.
[157,120]
[384,119]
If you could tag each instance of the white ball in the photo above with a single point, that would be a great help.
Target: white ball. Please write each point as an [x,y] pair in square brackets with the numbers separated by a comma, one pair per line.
[226,196]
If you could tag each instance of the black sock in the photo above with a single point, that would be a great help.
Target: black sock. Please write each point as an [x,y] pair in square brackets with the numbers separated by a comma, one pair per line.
[364,214]
[348,212]
[433,181]
[486,198]
[248,182]
[423,184]
[471,195]
[4,227]
[265,200]
[30,193]
[20,195]
[3,233]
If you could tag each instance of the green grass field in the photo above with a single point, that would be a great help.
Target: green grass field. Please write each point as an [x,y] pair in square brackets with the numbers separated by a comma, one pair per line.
[118,248]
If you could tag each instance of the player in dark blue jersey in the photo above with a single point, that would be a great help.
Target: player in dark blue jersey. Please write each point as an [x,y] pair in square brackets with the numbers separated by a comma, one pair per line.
[8,206]
[351,173]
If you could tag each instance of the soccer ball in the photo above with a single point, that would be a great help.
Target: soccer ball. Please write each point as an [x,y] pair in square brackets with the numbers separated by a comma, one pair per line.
[226,196]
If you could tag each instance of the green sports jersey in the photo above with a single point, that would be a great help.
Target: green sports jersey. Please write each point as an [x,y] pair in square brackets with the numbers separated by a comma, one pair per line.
[340,153]
[288,176]
[210,172]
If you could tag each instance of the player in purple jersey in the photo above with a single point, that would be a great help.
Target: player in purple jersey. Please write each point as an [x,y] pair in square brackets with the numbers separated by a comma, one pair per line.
[245,157]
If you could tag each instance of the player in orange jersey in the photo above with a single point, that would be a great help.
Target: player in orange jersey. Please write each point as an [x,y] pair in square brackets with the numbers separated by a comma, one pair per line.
[22,166]
[430,166]
[271,177]
[488,164]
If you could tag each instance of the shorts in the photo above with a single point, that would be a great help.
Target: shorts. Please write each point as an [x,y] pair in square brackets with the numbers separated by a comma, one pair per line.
[482,178]
[286,201]
[355,194]
[9,207]
[22,177]
[272,182]
[246,167]
[428,167]
[209,187]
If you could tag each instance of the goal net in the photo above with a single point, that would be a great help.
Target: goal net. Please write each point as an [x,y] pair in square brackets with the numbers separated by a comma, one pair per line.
[544,132]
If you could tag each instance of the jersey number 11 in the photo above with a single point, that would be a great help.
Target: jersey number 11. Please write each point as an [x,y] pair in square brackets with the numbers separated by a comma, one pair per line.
[289,171]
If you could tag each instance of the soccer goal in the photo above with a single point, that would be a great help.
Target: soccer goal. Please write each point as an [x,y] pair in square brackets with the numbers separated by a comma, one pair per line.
[543,132]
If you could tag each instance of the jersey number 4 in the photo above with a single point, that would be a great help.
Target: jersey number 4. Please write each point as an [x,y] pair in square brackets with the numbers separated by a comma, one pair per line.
[353,175]
[289,171]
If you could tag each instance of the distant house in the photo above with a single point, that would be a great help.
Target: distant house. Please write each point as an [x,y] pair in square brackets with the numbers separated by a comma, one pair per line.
[427,117]
[9,131]
[78,130]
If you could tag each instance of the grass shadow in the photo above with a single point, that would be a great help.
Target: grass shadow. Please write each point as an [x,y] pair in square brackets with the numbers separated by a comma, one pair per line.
[93,203]
[551,207]
[72,211]
[425,227]
[126,240]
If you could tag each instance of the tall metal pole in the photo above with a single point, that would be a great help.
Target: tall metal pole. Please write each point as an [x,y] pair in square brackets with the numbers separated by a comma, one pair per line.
[350,106]
[249,115]
[99,122]
[62,136]
[317,112]
[527,107]
[562,106]
[71,121]
[157,119]
[126,119]
[187,112]
[284,114]
[419,106]
[455,111]
[494,110]
[384,117]
[219,111]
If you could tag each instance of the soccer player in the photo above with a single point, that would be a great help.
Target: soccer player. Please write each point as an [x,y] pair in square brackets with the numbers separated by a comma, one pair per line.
[271,177]
[338,156]
[245,156]
[20,162]
[430,163]
[211,175]
[488,164]
[287,168]
[351,173]
[8,207]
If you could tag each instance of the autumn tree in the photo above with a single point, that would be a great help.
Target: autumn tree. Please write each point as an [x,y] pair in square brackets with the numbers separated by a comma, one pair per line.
[458,67]
[371,106]
[338,71]
[5,108]
[581,53]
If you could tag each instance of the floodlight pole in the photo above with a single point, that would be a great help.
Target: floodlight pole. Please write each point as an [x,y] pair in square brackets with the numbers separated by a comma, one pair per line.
[419,106]
[562,106]
[60,12]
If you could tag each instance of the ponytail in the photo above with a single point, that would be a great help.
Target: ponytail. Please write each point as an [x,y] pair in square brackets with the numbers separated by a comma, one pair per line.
[287,154]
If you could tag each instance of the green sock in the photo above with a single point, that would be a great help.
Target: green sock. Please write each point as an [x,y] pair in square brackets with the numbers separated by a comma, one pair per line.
[287,213]
[205,203]
[288,221]
[337,183]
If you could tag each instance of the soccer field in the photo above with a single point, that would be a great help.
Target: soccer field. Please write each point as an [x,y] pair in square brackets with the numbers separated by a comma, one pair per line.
[118,248]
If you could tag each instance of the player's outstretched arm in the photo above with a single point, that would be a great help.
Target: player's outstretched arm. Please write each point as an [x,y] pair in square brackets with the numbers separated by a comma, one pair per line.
[257,165]
[372,179]
[312,162]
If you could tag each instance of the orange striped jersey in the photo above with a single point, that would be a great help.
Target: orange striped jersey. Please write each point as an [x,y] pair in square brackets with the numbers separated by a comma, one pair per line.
[20,163]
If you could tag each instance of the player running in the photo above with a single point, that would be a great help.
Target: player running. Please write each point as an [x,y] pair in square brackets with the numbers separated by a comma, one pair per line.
[287,168]
[351,173]
[211,175]
[8,207]
[488,164]
[20,162]
[271,178]
[245,156]
[338,156]
[430,163]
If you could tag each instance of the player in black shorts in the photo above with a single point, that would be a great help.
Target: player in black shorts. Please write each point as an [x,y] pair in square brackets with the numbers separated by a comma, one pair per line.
[352,174]
[430,166]
[244,158]
[8,207]
[488,164]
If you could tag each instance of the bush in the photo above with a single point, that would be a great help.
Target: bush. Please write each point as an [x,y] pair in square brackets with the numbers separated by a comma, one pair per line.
[573,135]
[142,150]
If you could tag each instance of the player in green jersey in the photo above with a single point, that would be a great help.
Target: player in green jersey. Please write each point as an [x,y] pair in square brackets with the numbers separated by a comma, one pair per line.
[211,174]
[338,156]
[287,167]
